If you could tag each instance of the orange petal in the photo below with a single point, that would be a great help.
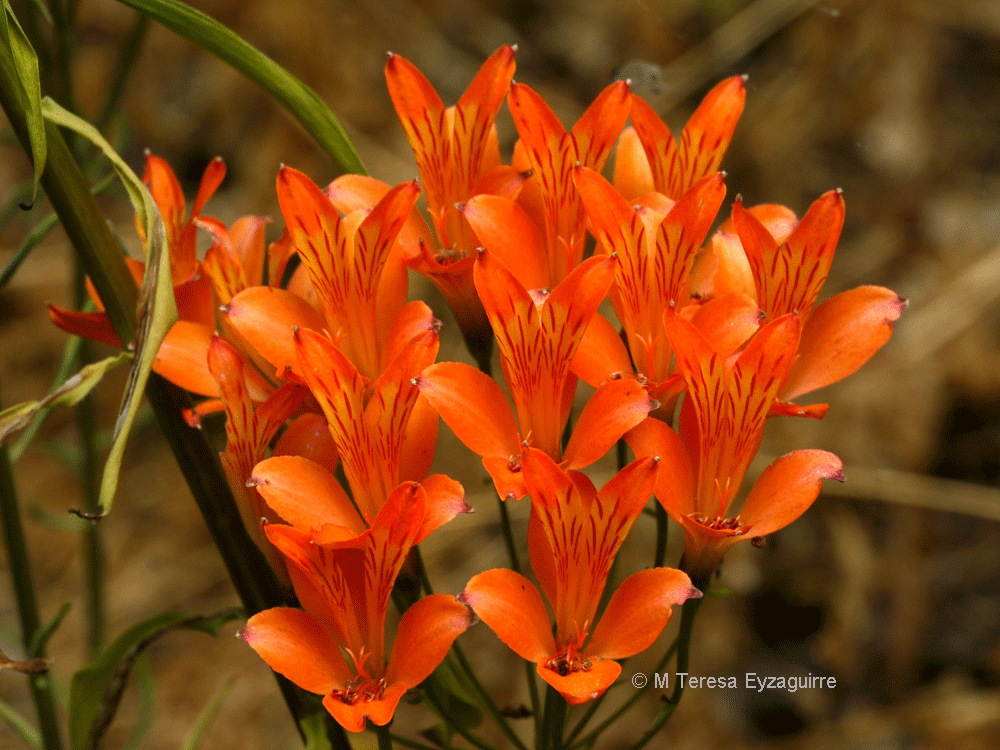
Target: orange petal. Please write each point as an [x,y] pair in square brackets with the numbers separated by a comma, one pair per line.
[599,127]
[309,436]
[675,482]
[426,632]
[505,229]
[211,178]
[296,645]
[638,612]
[445,500]
[473,406]
[840,335]
[512,608]
[305,494]
[616,407]
[710,129]
[183,358]
[580,687]
[416,453]
[786,489]
[352,716]
[601,353]
[660,147]
[95,326]
[632,176]
[266,317]
[727,322]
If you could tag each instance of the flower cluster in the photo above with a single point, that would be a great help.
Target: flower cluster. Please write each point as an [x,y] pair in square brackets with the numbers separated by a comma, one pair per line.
[722,330]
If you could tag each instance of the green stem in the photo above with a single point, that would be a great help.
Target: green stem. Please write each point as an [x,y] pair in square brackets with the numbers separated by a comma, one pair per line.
[27,603]
[688,614]
[384,738]
[620,711]
[129,54]
[405,742]
[508,536]
[554,720]
[661,536]
[484,698]
[86,421]
[440,710]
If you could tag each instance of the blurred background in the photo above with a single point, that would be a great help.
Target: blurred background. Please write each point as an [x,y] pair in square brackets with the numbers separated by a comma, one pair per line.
[890,583]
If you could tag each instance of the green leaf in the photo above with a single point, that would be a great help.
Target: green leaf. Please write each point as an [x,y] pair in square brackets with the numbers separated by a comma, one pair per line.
[157,308]
[300,100]
[20,725]
[45,632]
[69,393]
[26,65]
[313,726]
[96,689]
[207,715]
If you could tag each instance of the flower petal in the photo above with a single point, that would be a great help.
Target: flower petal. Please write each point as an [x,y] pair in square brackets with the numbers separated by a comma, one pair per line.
[675,482]
[183,358]
[95,326]
[445,500]
[426,632]
[512,608]
[305,494]
[266,317]
[296,645]
[585,685]
[352,716]
[616,407]
[786,489]
[632,176]
[505,229]
[638,612]
[840,335]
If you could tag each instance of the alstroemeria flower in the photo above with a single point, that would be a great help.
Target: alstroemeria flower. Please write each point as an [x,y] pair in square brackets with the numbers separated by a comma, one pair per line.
[656,252]
[551,153]
[783,271]
[355,278]
[192,291]
[574,535]
[458,157]
[648,158]
[537,333]
[379,442]
[721,426]
[249,431]
[336,647]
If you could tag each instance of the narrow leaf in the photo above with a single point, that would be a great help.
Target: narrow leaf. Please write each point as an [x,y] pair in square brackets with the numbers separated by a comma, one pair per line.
[45,632]
[207,715]
[96,689]
[300,100]
[26,65]
[69,393]
[157,308]
[20,725]
[313,727]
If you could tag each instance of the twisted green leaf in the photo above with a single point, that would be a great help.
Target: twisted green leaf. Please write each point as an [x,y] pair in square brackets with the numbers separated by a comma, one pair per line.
[157,308]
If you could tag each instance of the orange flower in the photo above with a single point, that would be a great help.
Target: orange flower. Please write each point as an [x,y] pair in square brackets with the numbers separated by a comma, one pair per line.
[356,283]
[192,291]
[458,157]
[648,158]
[336,647]
[782,263]
[574,535]
[721,425]
[656,251]
[537,333]
[380,441]
[249,432]
[551,153]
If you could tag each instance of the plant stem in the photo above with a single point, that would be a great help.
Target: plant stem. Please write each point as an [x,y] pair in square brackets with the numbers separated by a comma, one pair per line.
[554,721]
[27,603]
[384,738]
[661,536]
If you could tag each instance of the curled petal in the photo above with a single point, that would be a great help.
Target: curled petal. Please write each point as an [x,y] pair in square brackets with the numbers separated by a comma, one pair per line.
[786,489]
[840,335]
[638,612]
[352,716]
[513,609]
[95,326]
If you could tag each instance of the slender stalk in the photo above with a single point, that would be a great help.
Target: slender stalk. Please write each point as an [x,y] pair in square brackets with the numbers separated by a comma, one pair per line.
[27,603]
[439,709]
[620,711]
[554,721]
[688,614]
[661,536]
[484,698]
[406,742]
[384,738]
[508,536]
